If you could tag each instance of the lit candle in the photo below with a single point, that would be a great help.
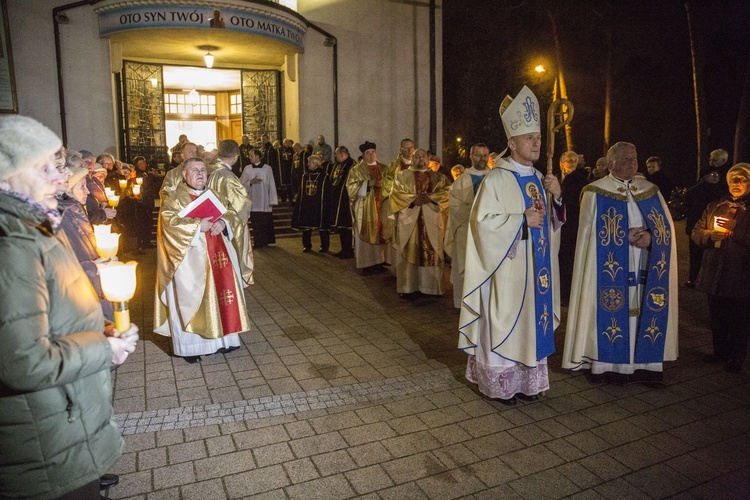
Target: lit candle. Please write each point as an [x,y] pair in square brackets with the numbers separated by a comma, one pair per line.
[137,189]
[114,200]
[107,245]
[108,191]
[118,284]
[139,180]
[717,227]
[123,183]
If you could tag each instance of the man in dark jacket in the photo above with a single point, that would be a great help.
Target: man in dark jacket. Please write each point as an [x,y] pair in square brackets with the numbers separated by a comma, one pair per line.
[574,179]
[710,188]
[338,211]
[659,177]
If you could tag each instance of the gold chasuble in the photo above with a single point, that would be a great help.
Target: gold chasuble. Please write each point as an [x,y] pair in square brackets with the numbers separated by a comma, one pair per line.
[365,199]
[421,228]
[231,192]
[386,187]
[191,268]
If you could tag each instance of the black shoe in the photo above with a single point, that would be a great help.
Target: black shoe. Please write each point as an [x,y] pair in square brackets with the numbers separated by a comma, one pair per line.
[507,402]
[524,397]
[306,250]
[323,250]
[192,359]
[345,255]
[107,481]
[225,350]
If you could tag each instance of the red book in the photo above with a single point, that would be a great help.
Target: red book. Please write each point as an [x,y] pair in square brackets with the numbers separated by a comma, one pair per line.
[207,205]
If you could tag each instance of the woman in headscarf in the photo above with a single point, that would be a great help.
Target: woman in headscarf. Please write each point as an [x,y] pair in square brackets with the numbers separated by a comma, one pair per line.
[724,232]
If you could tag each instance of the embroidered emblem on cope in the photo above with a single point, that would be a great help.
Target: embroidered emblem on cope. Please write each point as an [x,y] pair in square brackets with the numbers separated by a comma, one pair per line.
[656,298]
[612,298]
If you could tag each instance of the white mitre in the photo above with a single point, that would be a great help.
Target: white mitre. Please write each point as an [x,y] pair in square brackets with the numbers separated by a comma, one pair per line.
[520,115]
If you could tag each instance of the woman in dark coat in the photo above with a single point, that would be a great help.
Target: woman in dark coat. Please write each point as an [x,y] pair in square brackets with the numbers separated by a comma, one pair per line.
[724,232]
[57,429]
[80,234]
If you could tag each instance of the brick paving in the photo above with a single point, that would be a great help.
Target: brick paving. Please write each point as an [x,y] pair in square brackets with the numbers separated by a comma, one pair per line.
[342,390]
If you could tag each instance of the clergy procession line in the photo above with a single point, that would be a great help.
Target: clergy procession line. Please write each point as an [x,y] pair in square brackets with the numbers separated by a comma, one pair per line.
[501,222]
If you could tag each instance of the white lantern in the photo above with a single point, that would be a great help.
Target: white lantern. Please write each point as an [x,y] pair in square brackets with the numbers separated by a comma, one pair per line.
[118,284]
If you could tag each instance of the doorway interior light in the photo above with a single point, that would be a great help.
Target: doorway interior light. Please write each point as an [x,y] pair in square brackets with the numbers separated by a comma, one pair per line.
[209,57]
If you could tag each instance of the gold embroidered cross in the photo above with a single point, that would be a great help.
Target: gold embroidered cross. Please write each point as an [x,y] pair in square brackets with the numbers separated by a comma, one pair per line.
[226,297]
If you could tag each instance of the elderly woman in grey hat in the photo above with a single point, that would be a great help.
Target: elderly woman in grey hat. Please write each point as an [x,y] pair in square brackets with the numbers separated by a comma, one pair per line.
[57,429]
[724,232]
[80,233]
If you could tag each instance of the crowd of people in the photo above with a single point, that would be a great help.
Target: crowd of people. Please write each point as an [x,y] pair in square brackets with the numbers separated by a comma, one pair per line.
[521,245]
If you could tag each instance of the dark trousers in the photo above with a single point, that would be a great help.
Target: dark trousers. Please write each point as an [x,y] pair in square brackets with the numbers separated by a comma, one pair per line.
[730,323]
[144,216]
[346,241]
[86,492]
[696,255]
[325,239]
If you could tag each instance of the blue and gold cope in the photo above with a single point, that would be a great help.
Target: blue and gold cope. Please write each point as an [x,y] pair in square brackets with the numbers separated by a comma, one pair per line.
[533,195]
[614,279]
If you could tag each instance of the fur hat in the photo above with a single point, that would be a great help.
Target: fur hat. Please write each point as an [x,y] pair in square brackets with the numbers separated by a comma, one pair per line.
[24,143]
[78,174]
[98,168]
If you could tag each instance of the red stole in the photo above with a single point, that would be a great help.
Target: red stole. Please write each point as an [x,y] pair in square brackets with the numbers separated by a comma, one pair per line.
[223,273]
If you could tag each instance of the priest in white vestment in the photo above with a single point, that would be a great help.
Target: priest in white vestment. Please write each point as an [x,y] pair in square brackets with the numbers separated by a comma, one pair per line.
[622,318]
[461,199]
[511,303]
[261,189]
[364,185]
[200,299]
[419,198]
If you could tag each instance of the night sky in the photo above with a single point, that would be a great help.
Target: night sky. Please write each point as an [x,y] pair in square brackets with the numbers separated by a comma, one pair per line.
[490,48]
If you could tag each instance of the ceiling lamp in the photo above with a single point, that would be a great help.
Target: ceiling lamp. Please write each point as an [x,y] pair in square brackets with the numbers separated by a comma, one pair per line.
[209,57]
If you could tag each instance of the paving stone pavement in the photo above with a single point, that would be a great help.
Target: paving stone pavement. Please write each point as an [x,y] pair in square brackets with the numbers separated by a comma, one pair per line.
[342,389]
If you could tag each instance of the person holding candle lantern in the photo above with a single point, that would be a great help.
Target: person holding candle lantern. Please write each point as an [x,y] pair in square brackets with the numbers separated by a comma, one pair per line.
[80,233]
[724,233]
[58,434]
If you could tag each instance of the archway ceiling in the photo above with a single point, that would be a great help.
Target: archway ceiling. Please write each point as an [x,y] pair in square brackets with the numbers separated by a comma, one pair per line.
[180,46]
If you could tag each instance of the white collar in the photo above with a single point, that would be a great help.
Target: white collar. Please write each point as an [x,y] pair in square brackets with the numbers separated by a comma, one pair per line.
[523,170]
[474,171]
